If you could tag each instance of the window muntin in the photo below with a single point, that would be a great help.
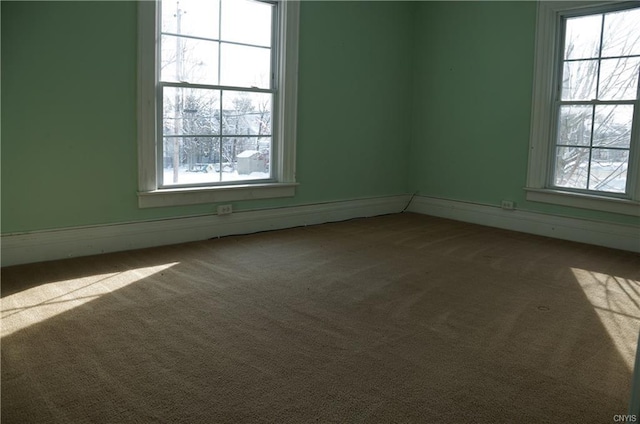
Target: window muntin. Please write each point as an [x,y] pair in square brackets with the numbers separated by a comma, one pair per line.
[596,102]
[216,91]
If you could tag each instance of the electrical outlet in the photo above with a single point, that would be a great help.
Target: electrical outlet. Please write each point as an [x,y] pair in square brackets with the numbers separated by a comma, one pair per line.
[508,205]
[225,209]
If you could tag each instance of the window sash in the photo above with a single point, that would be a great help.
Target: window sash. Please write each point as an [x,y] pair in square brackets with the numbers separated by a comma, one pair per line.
[276,31]
[553,155]
[273,90]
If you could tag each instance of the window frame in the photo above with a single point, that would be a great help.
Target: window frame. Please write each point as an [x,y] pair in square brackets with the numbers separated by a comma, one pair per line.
[282,182]
[547,73]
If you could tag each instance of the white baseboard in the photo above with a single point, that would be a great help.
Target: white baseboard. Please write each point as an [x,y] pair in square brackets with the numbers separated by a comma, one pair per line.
[38,246]
[617,236]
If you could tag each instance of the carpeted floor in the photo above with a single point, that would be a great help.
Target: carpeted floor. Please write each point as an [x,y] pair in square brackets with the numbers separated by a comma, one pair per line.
[401,318]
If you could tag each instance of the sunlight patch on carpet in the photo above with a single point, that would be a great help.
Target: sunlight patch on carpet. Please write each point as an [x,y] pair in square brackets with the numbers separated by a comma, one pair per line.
[37,304]
[616,301]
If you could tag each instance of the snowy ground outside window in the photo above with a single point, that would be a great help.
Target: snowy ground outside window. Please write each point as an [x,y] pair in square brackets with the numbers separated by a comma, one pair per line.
[191,177]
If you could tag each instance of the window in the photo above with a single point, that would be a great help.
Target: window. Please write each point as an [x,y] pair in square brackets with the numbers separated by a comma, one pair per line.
[217,100]
[586,113]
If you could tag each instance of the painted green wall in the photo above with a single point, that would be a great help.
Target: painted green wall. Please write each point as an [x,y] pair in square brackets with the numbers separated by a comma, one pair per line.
[472,104]
[68,114]
[69,153]
[354,114]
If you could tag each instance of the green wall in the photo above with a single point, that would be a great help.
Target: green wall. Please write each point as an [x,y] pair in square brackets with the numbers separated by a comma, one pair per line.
[394,97]
[69,152]
[473,71]
[354,114]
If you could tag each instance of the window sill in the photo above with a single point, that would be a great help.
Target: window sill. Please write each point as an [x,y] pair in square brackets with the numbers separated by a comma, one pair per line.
[584,201]
[199,195]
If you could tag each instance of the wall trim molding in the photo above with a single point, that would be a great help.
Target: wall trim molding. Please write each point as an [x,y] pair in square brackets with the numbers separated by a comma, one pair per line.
[617,236]
[38,246]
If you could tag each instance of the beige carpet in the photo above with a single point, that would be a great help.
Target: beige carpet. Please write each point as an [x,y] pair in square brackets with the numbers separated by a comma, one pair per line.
[401,318]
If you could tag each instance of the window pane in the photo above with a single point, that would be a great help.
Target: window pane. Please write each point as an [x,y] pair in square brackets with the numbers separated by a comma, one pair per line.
[574,125]
[245,66]
[246,113]
[619,79]
[189,60]
[191,160]
[609,170]
[613,126]
[191,17]
[247,158]
[190,111]
[571,167]
[579,80]
[246,21]
[621,33]
[582,39]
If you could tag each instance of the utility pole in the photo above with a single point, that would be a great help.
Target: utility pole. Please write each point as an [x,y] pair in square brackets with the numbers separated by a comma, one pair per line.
[177,110]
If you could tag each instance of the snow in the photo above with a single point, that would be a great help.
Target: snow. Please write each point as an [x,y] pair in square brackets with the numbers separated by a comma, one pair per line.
[248,153]
[188,177]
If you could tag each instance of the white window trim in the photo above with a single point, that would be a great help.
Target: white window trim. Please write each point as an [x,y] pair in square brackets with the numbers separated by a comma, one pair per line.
[541,137]
[149,195]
